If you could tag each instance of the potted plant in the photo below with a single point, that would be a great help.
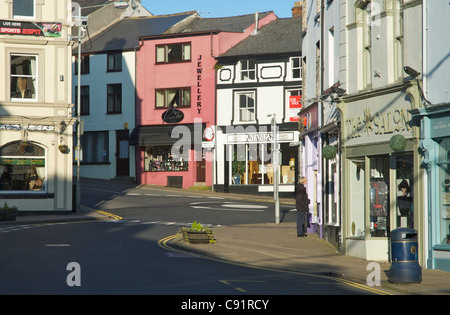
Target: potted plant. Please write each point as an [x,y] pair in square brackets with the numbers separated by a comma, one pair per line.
[197,234]
[8,213]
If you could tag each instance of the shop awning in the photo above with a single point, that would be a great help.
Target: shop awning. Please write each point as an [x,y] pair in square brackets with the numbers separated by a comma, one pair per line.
[166,134]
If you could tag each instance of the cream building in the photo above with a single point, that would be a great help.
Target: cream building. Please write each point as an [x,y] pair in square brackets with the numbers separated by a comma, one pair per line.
[35,105]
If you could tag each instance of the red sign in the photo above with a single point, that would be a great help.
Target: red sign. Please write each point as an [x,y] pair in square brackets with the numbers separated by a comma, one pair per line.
[295,105]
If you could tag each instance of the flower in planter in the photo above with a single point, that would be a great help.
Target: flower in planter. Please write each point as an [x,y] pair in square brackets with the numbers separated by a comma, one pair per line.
[197,234]
[63,148]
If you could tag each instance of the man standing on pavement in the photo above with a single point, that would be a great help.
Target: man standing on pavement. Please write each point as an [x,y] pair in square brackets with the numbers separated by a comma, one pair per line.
[302,206]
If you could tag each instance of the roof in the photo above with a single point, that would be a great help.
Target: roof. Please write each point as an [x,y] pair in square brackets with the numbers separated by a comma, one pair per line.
[124,34]
[226,24]
[282,36]
[89,6]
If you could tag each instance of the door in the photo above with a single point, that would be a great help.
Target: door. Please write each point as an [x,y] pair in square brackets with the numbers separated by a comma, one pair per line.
[201,171]
[122,153]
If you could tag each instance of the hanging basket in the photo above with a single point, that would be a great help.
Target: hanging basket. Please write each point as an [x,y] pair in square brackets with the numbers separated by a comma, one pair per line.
[63,148]
[397,143]
[329,152]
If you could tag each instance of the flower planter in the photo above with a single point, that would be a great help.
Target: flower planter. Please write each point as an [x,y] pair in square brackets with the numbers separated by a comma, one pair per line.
[198,237]
[8,214]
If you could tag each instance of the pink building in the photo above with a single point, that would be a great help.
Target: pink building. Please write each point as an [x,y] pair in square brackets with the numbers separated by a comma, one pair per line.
[176,98]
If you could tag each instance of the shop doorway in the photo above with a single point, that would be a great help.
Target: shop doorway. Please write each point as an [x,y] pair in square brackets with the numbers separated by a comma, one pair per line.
[201,171]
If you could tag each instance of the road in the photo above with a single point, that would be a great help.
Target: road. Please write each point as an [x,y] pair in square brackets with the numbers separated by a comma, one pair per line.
[124,257]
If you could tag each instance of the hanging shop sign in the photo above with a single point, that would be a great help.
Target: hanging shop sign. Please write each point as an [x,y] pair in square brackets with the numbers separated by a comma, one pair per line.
[172,115]
[30,28]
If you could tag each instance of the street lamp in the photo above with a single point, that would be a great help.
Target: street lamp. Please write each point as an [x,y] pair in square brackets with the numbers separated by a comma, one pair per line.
[276,167]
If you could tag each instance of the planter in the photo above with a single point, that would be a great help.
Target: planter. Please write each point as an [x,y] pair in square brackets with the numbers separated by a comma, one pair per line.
[198,237]
[63,148]
[8,214]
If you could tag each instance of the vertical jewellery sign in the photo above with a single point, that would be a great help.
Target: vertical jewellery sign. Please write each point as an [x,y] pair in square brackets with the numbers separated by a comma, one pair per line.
[199,84]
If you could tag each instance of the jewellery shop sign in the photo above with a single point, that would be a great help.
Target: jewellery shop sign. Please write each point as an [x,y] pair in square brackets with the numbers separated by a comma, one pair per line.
[30,28]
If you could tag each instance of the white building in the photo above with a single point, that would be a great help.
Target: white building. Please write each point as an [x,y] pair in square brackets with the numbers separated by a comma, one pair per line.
[259,79]
[35,105]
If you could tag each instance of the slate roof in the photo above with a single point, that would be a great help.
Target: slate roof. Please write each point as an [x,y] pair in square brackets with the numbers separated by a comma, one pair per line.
[89,6]
[124,34]
[282,36]
[226,24]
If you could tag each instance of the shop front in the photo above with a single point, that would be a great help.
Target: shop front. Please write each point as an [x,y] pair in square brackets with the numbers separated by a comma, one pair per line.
[435,146]
[381,171]
[248,166]
[171,155]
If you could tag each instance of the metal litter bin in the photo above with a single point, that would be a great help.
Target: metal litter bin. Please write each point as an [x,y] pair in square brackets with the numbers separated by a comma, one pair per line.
[405,267]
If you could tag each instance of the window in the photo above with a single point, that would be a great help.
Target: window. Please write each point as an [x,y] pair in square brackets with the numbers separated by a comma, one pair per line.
[22,167]
[115,62]
[85,65]
[95,146]
[23,77]
[296,68]
[84,100]
[248,70]
[161,159]
[173,53]
[23,9]
[114,100]
[246,107]
[178,97]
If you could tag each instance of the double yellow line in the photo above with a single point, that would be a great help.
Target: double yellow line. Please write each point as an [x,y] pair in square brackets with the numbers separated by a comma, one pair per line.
[110,215]
[163,243]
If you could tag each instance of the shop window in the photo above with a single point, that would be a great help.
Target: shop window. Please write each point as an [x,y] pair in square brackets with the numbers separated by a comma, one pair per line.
[23,9]
[379,196]
[161,159]
[252,164]
[405,182]
[23,77]
[22,167]
[357,197]
[173,53]
[180,97]
[444,195]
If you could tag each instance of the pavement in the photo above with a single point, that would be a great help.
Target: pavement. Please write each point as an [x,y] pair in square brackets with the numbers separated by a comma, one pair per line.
[274,247]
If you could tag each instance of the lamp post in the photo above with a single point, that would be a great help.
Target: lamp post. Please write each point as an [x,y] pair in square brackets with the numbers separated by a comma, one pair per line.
[276,167]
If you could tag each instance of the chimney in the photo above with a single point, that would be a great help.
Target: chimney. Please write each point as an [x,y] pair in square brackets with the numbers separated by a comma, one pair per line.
[255,31]
[297,9]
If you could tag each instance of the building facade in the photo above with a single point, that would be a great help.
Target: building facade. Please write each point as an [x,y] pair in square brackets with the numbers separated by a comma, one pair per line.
[434,120]
[36,110]
[381,175]
[259,87]
[319,117]
[108,94]
[176,98]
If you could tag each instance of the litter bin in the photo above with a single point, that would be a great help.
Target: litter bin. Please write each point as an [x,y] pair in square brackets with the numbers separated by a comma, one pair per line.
[405,267]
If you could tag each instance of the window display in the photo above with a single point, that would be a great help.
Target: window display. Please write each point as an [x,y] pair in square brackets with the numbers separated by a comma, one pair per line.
[161,159]
[405,182]
[379,196]
[22,167]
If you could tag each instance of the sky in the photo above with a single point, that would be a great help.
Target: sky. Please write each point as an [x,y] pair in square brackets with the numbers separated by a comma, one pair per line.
[221,8]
